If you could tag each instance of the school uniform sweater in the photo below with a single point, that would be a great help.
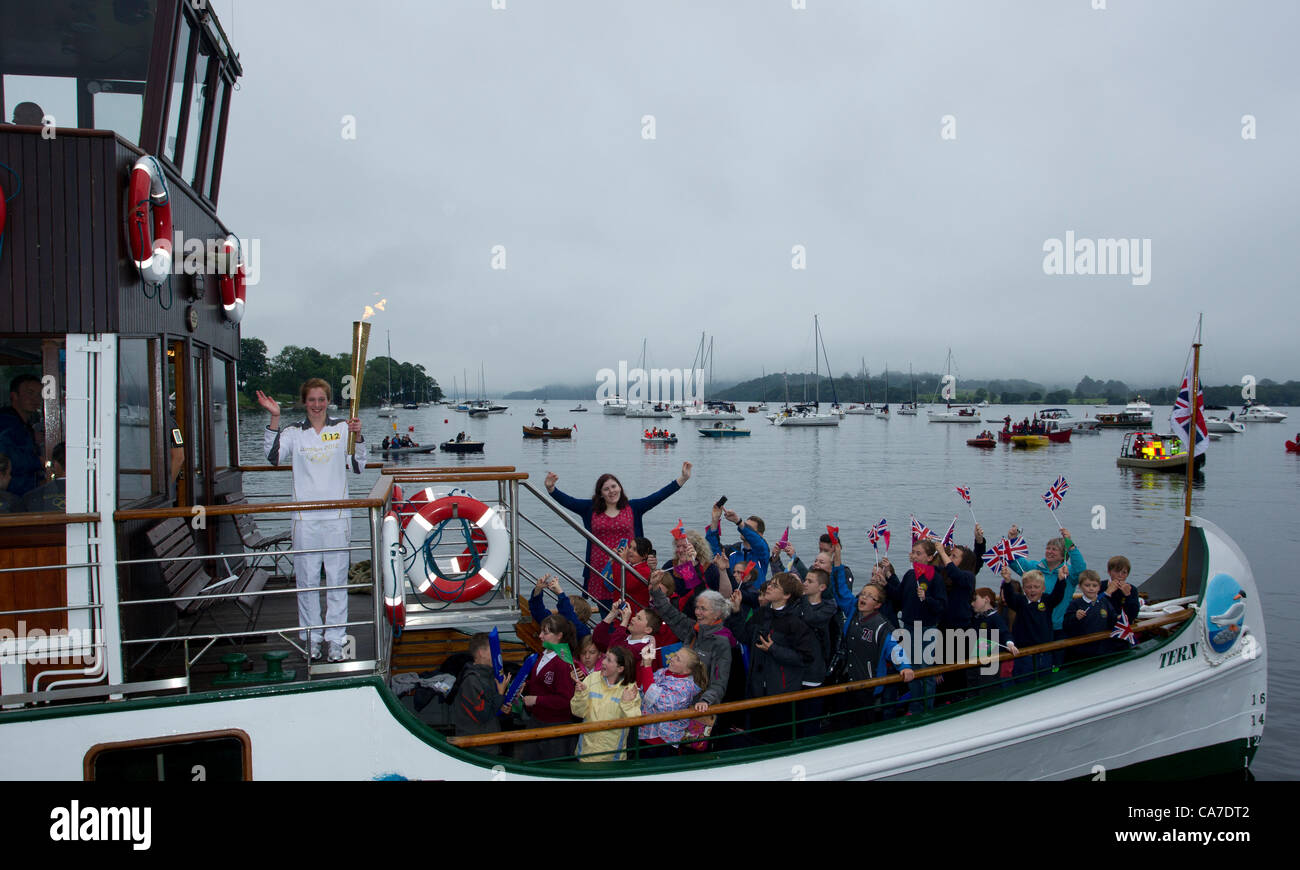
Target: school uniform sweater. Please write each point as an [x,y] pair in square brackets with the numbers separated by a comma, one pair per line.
[1033,618]
[552,682]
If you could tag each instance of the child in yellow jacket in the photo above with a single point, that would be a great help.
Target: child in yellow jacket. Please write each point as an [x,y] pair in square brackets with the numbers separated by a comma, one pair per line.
[609,693]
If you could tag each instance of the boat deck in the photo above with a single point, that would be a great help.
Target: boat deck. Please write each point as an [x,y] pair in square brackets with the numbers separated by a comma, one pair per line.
[414,651]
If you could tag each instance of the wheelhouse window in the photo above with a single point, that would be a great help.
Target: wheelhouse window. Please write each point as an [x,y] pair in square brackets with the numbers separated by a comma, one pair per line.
[223,388]
[32,372]
[84,64]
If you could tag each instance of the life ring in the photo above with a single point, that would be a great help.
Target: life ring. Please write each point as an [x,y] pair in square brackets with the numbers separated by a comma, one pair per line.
[394,571]
[491,565]
[150,240]
[233,282]
[409,508]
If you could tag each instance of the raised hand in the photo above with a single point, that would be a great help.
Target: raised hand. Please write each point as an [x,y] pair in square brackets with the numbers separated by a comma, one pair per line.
[686,472]
[268,403]
[354,426]
[979,532]
[717,512]
[1006,574]
[1063,572]
[648,652]
[629,694]
[735,600]
[1013,532]
[732,516]
[551,479]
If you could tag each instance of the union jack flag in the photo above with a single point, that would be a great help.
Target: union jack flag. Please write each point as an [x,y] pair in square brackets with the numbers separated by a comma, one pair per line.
[1054,495]
[1123,630]
[1012,549]
[952,530]
[995,559]
[879,532]
[1180,418]
[964,492]
[920,530]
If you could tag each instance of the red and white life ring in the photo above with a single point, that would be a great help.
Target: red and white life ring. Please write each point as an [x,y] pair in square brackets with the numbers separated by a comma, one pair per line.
[149,225]
[233,281]
[485,521]
[394,571]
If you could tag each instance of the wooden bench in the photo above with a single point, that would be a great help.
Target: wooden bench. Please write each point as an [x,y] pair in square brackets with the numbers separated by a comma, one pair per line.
[258,544]
[187,577]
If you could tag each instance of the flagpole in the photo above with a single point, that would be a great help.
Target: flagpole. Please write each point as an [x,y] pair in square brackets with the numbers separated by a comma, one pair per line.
[1191,459]
[1053,513]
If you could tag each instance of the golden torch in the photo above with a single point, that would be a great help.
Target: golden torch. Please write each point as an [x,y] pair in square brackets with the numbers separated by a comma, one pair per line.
[360,340]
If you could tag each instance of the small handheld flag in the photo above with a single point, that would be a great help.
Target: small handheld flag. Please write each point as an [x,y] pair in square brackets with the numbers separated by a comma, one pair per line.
[920,531]
[743,571]
[785,539]
[517,684]
[498,663]
[677,529]
[964,492]
[994,559]
[1011,550]
[1124,630]
[951,533]
[1054,495]
[834,532]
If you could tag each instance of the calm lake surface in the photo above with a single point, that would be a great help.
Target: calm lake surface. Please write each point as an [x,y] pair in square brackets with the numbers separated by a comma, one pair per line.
[852,475]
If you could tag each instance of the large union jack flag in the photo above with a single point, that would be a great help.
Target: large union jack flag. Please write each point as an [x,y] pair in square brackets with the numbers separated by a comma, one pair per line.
[1123,630]
[1056,493]
[879,532]
[964,492]
[1180,418]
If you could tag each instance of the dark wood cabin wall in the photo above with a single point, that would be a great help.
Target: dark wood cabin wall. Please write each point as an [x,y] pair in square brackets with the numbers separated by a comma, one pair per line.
[65,265]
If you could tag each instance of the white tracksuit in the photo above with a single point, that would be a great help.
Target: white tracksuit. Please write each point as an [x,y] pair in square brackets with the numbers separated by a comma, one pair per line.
[320,472]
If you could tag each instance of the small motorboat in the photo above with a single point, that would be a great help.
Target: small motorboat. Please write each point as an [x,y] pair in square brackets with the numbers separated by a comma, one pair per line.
[540,412]
[1057,433]
[1293,446]
[1224,426]
[1150,451]
[402,451]
[984,439]
[1256,413]
[1027,441]
[539,432]
[461,445]
[578,410]
[722,430]
[479,412]
[658,438]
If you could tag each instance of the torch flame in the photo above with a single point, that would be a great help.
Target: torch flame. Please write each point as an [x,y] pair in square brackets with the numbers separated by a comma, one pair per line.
[370,311]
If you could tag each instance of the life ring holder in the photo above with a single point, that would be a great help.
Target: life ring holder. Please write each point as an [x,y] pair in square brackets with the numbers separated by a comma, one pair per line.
[475,572]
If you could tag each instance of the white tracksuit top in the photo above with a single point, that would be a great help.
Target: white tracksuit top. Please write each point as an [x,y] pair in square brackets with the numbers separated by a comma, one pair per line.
[320,463]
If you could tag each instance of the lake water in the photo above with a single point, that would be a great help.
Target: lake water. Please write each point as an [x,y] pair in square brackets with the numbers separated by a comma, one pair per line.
[852,475]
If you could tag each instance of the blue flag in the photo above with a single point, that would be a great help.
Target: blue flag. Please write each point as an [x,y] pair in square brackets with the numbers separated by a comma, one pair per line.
[517,684]
[494,642]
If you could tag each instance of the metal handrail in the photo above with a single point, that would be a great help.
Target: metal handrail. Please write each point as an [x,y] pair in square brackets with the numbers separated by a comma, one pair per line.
[792,697]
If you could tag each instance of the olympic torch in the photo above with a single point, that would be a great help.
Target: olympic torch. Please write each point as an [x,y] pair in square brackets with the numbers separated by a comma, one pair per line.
[360,340]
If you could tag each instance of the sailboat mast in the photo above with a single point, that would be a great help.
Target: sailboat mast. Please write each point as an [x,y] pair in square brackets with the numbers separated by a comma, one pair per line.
[1191,456]
[389,380]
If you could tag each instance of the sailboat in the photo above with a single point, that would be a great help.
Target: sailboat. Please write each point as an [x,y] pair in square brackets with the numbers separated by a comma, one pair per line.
[805,414]
[1150,451]
[908,409]
[960,412]
[865,406]
[712,410]
[646,409]
[882,413]
[386,408]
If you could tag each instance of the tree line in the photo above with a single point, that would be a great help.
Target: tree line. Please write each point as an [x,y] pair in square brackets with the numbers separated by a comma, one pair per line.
[281,375]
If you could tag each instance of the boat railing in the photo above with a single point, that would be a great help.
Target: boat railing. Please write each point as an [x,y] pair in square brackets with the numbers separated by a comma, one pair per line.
[792,724]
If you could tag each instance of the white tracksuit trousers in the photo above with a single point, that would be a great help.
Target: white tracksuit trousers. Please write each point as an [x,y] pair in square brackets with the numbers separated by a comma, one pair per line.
[313,535]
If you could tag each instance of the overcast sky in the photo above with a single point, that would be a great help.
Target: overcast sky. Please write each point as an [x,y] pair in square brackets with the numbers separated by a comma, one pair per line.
[773,127]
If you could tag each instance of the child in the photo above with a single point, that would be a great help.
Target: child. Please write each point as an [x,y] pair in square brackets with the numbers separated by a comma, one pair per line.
[781,650]
[1123,595]
[478,694]
[1033,616]
[668,689]
[574,608]
[636,584]
[826,624]
[1089,614]
[921,600]
[633,631]
[992,632]
[549,689]
[606,694]
[588,661]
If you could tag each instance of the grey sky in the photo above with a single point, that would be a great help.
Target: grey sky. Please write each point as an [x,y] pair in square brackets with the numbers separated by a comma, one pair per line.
[774,127]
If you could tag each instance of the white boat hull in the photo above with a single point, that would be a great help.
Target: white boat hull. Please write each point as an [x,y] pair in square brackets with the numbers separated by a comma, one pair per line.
[1216,424]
